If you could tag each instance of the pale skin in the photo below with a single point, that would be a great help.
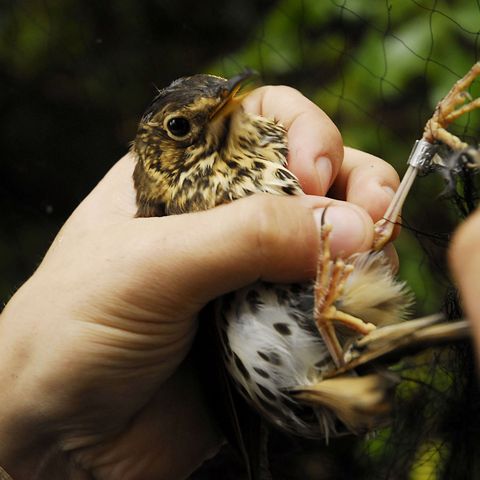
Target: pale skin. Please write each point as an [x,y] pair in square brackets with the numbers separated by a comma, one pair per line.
[465,265]
[95,384]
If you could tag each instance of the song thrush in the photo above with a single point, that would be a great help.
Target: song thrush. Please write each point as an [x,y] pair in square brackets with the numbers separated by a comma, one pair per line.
[197,148]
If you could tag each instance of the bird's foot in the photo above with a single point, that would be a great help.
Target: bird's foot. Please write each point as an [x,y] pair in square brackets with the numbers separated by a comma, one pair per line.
[456,103]
[331,278]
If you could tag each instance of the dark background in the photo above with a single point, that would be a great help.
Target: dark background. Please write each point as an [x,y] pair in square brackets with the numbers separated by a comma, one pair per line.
[76,76]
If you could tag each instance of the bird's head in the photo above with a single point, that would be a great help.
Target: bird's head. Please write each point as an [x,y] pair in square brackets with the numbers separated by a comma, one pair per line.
[188,121]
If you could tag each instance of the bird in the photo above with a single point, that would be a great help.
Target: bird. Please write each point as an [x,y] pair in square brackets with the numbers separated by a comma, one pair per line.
[293,352]
[197,148]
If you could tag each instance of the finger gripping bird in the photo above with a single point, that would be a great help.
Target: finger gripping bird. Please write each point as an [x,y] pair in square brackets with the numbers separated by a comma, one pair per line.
[197,148]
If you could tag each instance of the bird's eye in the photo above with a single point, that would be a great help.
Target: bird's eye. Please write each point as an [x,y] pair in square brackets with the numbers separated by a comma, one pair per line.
[179,127]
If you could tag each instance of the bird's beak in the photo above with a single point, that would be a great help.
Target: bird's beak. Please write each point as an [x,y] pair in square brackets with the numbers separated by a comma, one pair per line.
[229,94]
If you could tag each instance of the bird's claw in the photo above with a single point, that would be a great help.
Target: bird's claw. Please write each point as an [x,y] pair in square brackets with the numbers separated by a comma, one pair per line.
[331,278]
[456,103]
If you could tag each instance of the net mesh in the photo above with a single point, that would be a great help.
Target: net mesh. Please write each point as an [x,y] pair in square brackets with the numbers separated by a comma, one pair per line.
[77,75]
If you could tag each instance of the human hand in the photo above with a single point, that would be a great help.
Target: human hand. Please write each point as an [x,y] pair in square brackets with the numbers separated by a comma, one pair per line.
[465,265]
[92,347]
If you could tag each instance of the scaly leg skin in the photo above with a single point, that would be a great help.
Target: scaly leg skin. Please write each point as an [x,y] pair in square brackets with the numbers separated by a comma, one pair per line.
[383,230]
[456,103]
[332,275]
[331,278]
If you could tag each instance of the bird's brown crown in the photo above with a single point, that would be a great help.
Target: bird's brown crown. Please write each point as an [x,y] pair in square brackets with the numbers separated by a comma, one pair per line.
[197,148]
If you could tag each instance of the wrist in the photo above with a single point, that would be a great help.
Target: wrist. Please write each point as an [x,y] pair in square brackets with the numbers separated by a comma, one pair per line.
[26,448]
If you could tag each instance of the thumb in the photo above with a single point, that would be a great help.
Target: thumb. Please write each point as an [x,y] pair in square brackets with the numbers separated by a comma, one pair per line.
[275,239]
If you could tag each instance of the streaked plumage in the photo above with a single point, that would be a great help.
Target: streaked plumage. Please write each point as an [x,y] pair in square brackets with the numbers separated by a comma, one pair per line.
[223,159]
[271,344]
[270,341]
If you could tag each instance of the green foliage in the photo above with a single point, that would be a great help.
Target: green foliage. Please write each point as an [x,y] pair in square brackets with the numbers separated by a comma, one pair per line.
[378,69]
[77,75]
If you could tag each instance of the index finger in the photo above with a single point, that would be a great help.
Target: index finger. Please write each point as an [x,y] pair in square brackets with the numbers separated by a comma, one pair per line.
[314,142]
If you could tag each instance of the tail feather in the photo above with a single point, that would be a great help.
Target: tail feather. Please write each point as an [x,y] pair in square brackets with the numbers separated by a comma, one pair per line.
[360,393]
[361,403]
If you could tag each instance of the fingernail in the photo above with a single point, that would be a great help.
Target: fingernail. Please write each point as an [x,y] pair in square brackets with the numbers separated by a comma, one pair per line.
[348,228]
[323,166]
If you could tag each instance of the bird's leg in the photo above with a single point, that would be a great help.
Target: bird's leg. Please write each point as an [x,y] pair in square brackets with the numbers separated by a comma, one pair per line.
[332,275]
[383,229]
[456,103]
[331,278]
[451,107]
